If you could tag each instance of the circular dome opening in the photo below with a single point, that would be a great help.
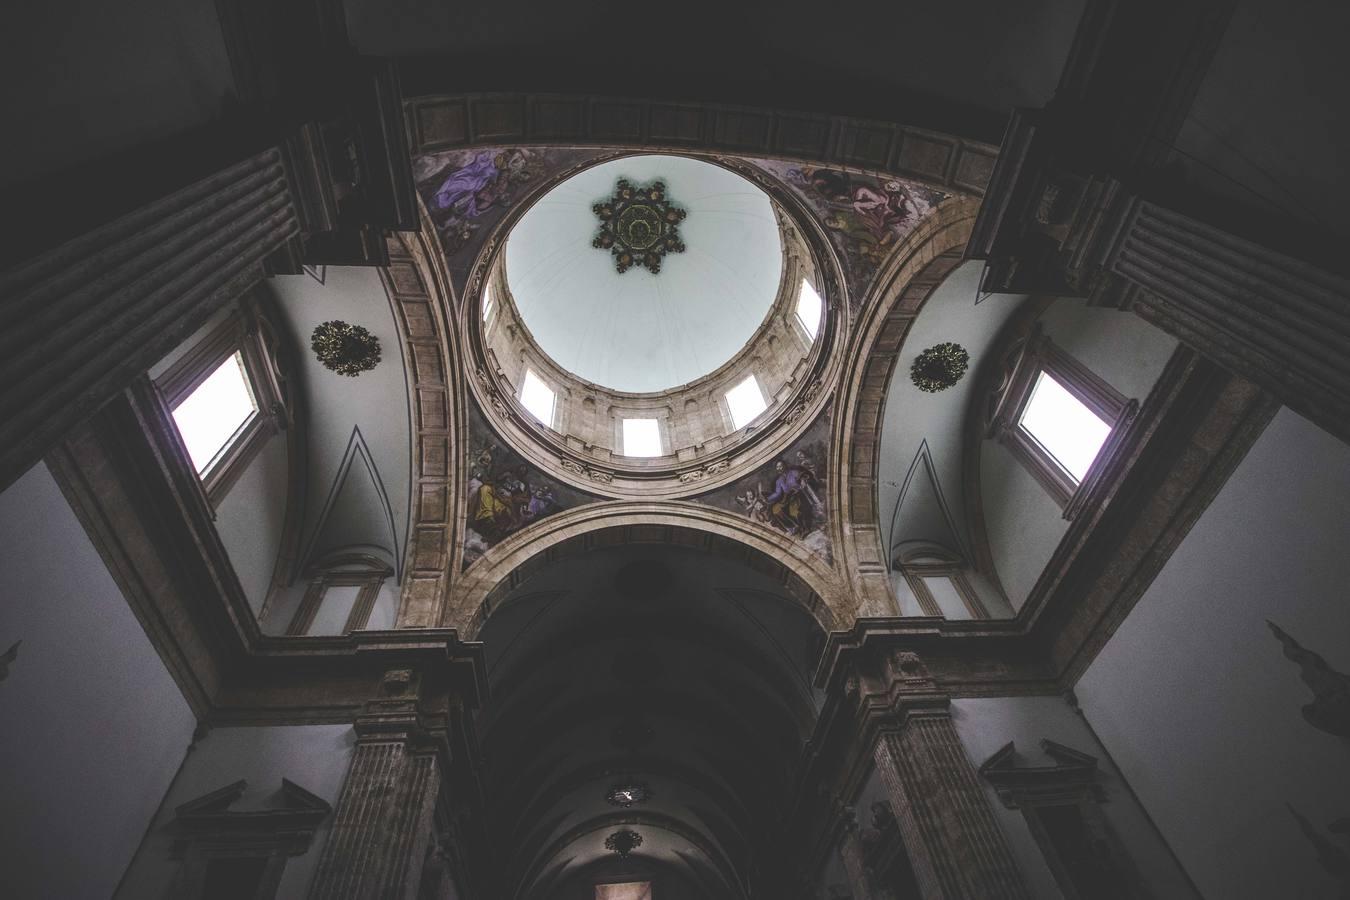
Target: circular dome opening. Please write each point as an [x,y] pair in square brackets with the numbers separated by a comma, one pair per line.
[637,297]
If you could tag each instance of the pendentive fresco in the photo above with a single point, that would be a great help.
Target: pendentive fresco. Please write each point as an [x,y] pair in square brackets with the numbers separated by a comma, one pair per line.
[866,217]
[787,494]
[505,493]
[467,192]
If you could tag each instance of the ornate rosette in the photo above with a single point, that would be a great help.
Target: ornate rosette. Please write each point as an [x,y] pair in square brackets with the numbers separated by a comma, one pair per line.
[344,348]
[639,225]
[624,841]
[939,367]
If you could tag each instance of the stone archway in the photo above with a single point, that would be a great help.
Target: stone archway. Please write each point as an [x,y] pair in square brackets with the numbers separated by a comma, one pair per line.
[913,273]
[806,579]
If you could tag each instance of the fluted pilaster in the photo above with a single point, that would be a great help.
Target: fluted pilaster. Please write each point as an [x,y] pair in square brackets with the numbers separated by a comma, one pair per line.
[1275,320]
[955,845]
[382,826]
[78,323]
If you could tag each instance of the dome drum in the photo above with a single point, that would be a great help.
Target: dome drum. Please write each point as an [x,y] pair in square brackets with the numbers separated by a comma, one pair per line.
[701,441]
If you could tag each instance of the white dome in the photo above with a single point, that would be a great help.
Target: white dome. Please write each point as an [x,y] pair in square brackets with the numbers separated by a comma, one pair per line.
[636,331]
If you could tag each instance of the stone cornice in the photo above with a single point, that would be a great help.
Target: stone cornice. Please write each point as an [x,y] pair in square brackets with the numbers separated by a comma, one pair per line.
[456,121]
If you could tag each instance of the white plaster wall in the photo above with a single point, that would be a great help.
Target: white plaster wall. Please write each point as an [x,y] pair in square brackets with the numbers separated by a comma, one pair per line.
[93,726]
[985,725]
[1023,523]
[314,757]
[250,518]
[1122,349]
[1193,695]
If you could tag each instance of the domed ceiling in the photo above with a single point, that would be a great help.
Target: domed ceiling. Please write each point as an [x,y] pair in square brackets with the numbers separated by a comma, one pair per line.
[635,330]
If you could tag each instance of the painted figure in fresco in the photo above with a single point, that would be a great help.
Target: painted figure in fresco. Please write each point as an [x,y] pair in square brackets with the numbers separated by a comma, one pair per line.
[502,501]
[484,182]
[542,502]
[869,216]
[793,502]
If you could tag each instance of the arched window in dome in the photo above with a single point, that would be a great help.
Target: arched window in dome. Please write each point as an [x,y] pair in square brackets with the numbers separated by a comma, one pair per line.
[745,402]
[538,398]
[641,437]
[810,309]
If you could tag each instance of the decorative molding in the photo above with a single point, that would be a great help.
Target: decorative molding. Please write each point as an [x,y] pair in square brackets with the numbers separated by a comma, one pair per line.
[444,122]
[509,563]
[208,831]
[1061,804]
[1072,775]
[928,255]
[419,295]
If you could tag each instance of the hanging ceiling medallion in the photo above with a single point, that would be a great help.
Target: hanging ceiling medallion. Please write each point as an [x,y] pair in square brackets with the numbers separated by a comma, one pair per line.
[639,225]
[344,348]
[627,793]
[623,842]
[939,367]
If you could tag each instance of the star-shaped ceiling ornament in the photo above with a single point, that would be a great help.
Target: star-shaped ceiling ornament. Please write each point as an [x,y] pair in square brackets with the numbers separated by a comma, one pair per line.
[639,225]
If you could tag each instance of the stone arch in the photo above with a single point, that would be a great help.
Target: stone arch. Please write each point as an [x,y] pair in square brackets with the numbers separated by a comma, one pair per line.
[807,580]
[913,272]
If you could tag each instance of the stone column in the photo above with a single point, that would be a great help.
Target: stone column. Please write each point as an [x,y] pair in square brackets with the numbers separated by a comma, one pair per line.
[385,814]
[78,323]
[954,843]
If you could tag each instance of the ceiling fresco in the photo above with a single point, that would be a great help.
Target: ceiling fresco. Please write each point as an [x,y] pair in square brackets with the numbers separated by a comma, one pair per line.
[787,494]
[468,192]
[865,216]
[505,493]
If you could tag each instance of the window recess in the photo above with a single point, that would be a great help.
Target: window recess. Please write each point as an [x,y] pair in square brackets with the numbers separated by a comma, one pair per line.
[225,397]
[1059,419]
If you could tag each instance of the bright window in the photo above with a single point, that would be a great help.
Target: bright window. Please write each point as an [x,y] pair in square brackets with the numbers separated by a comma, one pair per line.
[745,401]
[488,302]
[537,397]
[809,309]
[1064,426]
[633,890]
[214,412]
[641,437]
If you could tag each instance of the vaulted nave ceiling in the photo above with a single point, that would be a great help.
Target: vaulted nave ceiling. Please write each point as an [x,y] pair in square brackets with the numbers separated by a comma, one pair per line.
[654,666]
